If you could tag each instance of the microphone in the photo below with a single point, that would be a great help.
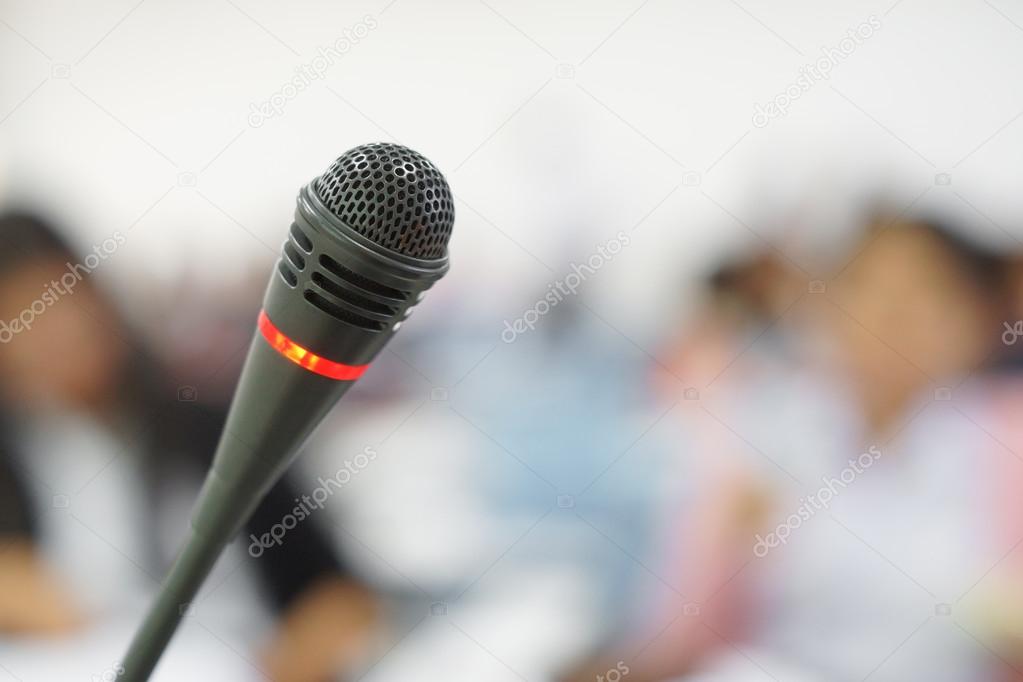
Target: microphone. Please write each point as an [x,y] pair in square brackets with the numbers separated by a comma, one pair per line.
[369,237]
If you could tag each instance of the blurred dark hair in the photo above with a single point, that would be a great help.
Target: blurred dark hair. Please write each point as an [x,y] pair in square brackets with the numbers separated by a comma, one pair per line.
[746,282]
[984,267]
[25,236]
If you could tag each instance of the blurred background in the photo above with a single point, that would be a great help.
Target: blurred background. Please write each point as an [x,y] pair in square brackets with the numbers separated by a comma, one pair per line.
[723,384]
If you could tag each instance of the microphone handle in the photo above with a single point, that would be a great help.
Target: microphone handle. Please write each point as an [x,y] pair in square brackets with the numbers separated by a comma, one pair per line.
[276,407]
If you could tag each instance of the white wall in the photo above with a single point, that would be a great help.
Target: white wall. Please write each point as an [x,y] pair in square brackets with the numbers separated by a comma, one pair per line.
[544,167]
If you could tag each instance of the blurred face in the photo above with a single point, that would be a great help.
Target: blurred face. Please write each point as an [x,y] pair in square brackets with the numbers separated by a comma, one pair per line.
[911,314]
[58,343]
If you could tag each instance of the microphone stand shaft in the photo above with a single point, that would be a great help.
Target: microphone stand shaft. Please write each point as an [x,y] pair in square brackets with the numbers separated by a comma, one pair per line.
[186,577]
[275,408]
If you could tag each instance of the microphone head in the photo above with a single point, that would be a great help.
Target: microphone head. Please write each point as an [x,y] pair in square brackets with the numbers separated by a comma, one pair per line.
[392,196]
[369,238]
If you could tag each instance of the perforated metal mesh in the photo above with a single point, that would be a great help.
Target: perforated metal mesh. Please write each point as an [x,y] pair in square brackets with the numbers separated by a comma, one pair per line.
[393,196]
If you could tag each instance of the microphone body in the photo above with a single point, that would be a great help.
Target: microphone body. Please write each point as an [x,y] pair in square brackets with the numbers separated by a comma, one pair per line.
[346,281]
[276,407]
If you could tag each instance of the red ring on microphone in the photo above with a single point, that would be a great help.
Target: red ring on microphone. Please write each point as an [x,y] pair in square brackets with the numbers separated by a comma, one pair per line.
[305,358]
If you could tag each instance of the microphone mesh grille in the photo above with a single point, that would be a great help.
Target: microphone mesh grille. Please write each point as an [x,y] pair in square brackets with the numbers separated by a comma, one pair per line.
[393,196]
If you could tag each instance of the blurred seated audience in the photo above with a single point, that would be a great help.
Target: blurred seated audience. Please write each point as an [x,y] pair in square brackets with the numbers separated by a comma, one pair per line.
[68,357]
[859,450]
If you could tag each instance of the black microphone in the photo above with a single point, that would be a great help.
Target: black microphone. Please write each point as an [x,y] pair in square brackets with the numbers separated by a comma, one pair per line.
[369,238]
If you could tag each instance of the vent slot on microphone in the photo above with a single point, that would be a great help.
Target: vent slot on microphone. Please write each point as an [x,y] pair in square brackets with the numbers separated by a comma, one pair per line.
[342,314]
[349,296]
[287,274]
[301,240]
[292,254]
[361,281]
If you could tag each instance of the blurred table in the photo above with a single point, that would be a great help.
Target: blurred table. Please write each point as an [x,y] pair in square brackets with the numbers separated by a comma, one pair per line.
[200,651]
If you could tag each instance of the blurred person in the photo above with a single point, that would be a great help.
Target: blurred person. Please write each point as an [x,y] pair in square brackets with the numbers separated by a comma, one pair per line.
[1002,601]
[73,378]
[745,299]
[849,524]
[1009,358]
